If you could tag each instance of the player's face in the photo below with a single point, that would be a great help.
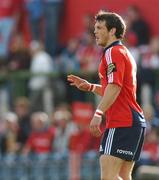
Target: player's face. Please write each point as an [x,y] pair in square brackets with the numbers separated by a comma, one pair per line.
[101,33]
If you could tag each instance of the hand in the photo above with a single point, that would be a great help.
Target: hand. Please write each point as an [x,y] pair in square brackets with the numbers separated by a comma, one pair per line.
[95,126]
[78,82]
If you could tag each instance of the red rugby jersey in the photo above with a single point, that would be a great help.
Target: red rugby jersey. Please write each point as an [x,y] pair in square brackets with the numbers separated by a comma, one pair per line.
[118,67]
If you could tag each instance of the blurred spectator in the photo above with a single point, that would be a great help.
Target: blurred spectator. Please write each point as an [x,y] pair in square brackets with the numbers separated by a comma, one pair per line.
[62,120]
[138,25]
[42,26]
[151,119]
[157,104]
[68,60]
[4,91]
[150,58]
[39,84]
[131,43]
[150,152]
[9,18]
[41,138]
[22,109]
[81,147]
[9,141]
[10,11]
[149,63]
[80,141]
[89,54]
[19,56]
[88,22]
[35,14]
[79,144]
[39,144]
[53,9]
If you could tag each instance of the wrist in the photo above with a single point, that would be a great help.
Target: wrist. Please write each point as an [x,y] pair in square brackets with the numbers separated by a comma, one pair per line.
[98,113]
[92,87]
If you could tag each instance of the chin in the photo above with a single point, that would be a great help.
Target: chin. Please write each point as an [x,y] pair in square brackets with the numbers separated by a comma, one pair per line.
[100,44]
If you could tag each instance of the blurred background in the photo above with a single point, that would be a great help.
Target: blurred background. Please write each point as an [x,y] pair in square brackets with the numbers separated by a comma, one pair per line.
[44,122]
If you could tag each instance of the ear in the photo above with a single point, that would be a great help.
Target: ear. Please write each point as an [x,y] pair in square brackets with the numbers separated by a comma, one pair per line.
[113,31]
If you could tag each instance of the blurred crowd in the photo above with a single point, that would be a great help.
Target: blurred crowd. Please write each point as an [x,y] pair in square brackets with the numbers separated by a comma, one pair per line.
[37,136]
[42,122]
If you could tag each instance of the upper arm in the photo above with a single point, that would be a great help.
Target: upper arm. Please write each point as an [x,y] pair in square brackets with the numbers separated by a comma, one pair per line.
[115,66]
[112,90]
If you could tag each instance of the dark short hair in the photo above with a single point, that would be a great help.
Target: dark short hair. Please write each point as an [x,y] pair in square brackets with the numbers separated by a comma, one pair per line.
[112,20]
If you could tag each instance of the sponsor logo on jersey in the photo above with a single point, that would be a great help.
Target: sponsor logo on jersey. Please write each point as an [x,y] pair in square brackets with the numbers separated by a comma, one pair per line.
[121,151]
[111,68]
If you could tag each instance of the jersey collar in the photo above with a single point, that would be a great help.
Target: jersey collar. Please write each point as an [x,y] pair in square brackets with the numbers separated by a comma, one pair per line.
[115,43]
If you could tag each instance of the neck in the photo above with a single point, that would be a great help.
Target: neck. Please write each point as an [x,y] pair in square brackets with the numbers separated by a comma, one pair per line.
[110,41]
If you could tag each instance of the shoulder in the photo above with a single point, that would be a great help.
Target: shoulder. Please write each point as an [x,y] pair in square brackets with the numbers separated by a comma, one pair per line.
[119,50]
[115,53]
[116,50]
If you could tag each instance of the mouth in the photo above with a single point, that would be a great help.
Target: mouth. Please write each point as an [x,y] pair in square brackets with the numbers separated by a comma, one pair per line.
[97,38]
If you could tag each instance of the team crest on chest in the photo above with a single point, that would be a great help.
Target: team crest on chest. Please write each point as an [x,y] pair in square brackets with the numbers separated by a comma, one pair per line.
[111,68]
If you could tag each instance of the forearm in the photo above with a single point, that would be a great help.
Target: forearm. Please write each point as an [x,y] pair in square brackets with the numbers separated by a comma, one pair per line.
[84,85]
[97,89]
[111,93]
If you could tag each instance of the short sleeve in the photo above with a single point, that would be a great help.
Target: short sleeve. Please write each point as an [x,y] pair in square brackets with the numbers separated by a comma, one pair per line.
[115,60]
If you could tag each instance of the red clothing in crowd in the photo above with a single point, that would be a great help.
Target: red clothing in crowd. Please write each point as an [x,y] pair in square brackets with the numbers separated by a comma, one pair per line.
[152,150]
[88,57]
[41,141]
[81,141]
[9,8]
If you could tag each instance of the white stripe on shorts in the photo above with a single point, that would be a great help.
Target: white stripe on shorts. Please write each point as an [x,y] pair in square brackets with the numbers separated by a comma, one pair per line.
[109,141]
[138,143]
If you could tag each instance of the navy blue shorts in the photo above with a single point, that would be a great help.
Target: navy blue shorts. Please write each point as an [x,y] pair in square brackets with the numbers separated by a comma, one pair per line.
[125,143]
